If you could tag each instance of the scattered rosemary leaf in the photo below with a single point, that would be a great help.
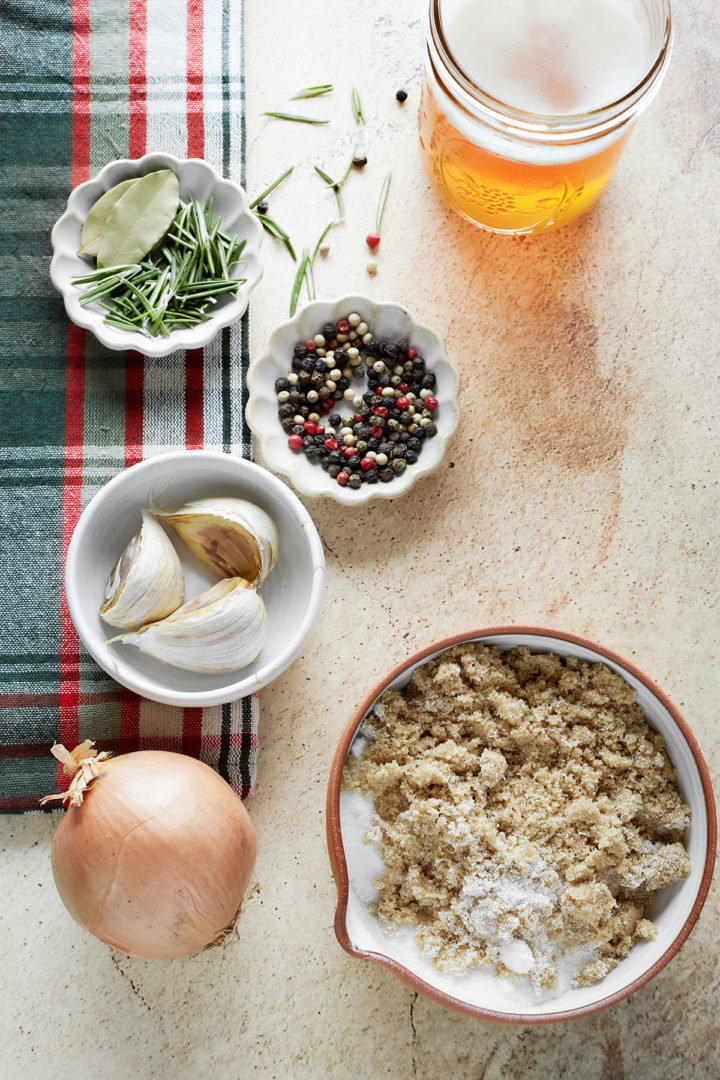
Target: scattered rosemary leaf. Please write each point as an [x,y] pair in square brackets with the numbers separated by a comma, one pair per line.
[324,233]
[275,183]
[381,202]
[324,176]
[357,106]
[273,229]
[300,276]
[313,91]
[295,119]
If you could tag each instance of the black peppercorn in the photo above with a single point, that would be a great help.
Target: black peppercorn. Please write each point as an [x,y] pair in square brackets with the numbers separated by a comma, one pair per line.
[298,429]
[333,471]
[262,207]
[286,410]
[288,424]
[414,443]
[308,365]
[335,420]
[360,161]
[354,481]
[335,457]
[353,463]
[280,385]
[325,463]
[401,96]
[411,457]
[308,441]
[428,381]
[301,350]
[430,430]
[371,476]
[343,383]
[328,331]
[386,475]
[312,452]
[373,443]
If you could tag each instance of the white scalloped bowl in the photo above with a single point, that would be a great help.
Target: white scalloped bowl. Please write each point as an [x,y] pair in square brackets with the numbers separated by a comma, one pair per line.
[386,320]
[196,178]
[292,592]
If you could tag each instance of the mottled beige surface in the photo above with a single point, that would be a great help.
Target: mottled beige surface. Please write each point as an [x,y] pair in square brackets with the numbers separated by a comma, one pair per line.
[580,493]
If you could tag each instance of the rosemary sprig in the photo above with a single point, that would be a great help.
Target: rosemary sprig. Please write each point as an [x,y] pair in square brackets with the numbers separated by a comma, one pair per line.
[313,91]
[357,106]
[276,183]
[382,200]
[295,119]
[173,285]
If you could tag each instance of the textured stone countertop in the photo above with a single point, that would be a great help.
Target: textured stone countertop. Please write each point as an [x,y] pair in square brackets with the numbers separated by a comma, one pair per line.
[581,493]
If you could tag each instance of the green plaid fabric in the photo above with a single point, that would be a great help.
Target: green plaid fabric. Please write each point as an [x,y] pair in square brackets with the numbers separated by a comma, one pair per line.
[84,82]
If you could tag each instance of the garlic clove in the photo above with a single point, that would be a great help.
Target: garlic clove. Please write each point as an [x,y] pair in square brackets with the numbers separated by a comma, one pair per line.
[146,582]
[223,629]
[233,537]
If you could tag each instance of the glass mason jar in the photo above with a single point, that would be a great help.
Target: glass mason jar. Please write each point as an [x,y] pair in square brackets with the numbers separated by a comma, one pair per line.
[511,169]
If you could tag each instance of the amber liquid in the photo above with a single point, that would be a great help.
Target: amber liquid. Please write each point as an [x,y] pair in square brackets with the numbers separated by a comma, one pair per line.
[503,195]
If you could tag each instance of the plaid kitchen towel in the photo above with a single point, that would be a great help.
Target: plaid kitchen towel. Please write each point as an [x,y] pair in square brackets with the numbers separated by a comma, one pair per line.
[84,82]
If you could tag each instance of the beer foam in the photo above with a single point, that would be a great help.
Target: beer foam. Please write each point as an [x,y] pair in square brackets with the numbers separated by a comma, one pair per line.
[554,57]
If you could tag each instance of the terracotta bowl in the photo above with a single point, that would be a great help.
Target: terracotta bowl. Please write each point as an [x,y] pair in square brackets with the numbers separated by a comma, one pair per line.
[674,911]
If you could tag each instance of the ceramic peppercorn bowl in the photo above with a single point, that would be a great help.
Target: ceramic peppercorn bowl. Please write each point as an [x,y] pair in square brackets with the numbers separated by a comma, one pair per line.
[383,397]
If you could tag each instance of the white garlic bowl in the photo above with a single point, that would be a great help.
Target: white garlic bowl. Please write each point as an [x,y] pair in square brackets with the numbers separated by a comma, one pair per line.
[197,178]
[292,591]
[388,321]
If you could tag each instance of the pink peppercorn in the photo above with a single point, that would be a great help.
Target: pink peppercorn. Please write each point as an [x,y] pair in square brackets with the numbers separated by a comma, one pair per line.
[376,432]
[343,477]
[411,354]
[402,403]
[310,346]
[404,388]
[366,463]
[295,442]
[330,444]
[310,428]
[431,403]
[343,327]
[372,240]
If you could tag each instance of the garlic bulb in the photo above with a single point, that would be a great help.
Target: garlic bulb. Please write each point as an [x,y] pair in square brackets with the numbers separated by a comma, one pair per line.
[223,629]
[146,583]
[231,536]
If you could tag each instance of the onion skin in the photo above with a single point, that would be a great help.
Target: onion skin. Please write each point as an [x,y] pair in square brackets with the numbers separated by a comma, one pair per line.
[156,860]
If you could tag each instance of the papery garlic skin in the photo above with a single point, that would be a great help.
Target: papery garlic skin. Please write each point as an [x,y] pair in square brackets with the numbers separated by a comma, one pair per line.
[146,582]
[223,629]
[233,537]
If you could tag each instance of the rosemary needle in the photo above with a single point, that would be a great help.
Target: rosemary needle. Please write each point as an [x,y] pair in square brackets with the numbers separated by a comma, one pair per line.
[382,201]
[295,119]
[275,183]
[313,91]
[357,106]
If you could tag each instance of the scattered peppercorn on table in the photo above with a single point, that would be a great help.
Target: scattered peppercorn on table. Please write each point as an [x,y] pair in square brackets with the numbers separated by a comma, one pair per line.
[580,492]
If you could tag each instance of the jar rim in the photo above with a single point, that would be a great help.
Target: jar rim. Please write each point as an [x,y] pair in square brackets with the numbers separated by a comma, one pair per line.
[568,127]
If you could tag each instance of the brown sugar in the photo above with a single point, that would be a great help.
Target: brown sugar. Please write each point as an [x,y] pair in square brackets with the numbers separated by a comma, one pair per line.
[524,811]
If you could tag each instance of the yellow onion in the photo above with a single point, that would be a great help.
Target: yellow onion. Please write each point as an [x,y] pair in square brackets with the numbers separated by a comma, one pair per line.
[155,852]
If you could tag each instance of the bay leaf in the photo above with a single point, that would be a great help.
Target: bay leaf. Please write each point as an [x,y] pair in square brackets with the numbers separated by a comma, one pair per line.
[139,219]
[94,224]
